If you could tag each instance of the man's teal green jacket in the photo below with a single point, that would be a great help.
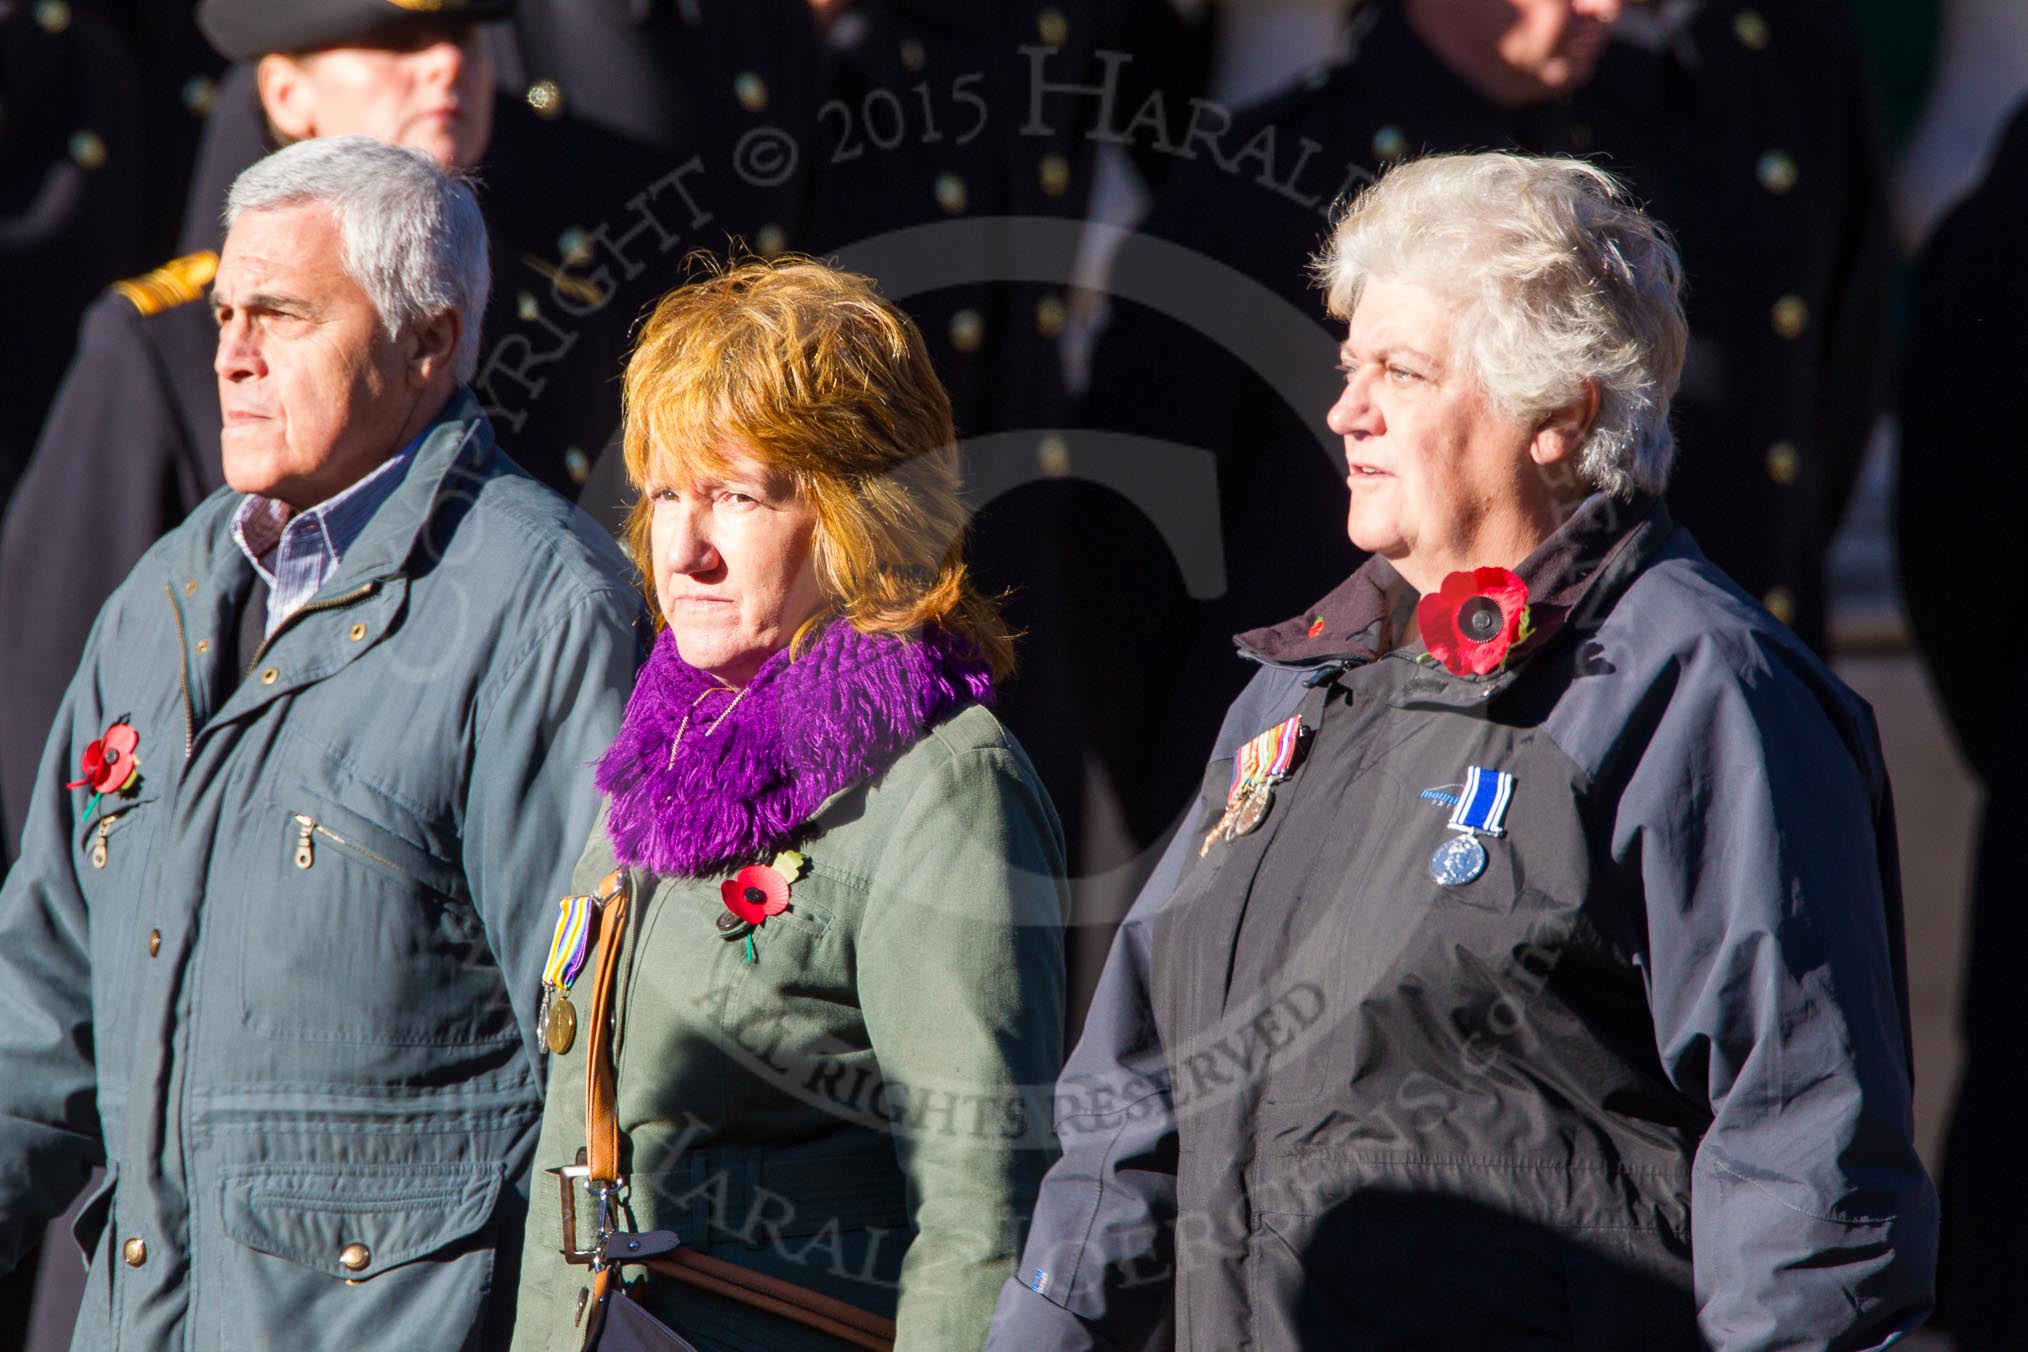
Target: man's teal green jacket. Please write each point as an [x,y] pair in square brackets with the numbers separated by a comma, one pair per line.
[283,985]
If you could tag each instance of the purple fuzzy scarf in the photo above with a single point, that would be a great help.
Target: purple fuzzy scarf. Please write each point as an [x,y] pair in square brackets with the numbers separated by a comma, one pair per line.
[744,777]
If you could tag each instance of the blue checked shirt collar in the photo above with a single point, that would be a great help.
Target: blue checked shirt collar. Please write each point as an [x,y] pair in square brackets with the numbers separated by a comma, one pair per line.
[296,552]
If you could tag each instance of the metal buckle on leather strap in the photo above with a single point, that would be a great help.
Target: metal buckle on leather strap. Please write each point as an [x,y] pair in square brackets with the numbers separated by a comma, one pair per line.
[604,1194]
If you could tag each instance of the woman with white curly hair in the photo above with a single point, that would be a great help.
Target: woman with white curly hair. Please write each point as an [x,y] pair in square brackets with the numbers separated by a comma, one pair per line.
[1529,974]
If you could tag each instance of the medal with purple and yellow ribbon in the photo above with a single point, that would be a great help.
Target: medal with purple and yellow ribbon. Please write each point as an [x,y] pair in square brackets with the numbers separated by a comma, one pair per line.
[567,948]
[1263,762]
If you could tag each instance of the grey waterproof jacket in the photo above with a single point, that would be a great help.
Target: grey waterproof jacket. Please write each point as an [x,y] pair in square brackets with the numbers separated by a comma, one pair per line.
[282,988]
[1643,1082]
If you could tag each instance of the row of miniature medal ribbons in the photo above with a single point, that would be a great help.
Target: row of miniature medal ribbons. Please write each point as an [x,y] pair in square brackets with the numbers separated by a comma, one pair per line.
[1268,759]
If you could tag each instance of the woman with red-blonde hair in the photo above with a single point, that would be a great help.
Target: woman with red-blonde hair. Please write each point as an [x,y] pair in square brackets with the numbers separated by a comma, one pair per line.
[811,989]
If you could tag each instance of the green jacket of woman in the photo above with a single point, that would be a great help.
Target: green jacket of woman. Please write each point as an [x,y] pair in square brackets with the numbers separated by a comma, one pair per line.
[862,1107]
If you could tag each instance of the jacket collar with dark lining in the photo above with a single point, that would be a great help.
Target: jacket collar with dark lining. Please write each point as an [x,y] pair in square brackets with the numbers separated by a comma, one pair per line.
[1569,576]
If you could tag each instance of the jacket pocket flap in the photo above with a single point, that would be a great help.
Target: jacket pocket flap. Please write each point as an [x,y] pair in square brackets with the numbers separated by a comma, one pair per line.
[360,1221]
[112,814]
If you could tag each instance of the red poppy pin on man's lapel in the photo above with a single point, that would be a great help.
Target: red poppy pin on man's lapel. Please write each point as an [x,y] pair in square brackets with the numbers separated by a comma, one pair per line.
[110,765]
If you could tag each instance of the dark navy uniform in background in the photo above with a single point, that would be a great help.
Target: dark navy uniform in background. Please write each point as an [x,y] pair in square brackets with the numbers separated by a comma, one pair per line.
[952,162]
[658,127]
[954,223]
[178,84]
[1964,475]
[73,162]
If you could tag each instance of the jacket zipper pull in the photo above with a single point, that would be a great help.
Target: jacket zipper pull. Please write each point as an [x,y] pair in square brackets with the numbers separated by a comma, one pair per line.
[99,844]
[304,827]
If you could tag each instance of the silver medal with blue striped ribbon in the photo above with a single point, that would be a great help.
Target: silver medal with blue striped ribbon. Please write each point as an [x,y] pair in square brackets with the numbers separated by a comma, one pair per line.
[1481,810]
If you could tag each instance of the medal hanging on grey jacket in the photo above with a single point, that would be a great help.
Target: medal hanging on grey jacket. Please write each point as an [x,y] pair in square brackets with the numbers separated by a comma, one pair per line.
[567,947]
[1479,812]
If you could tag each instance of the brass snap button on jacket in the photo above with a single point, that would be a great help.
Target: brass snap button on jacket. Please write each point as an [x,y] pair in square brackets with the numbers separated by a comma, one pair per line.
[270,676]
[354,1257]
[135,1251]
[154,942]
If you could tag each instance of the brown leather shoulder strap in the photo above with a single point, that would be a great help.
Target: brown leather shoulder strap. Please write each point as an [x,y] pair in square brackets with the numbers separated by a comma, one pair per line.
[602,1127]
[812,1309]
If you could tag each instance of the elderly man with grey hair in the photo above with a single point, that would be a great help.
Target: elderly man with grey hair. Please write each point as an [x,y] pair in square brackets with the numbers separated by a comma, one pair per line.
[1529,973]
[272,948]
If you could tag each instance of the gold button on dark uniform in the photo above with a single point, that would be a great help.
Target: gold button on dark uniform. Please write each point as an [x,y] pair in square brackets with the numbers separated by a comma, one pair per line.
[1791,314]
[1780,604]
[1750,29]
[1389,143]
[1783,462]
[354,1257]
[1776,172]
[270,676]
[1053,455]
[1055,171]
[88,148]
[967,329]
[135,1251]
[546,99]
[154,942]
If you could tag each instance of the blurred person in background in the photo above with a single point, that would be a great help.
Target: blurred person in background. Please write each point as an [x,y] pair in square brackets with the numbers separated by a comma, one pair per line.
[102,103]
[932,158]
[1963,479]
[72,166]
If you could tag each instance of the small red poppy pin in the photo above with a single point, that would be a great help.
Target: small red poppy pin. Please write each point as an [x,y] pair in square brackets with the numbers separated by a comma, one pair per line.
[755,893]
[109,763]
[1316,627]
[1474,619]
